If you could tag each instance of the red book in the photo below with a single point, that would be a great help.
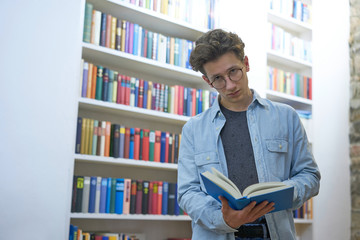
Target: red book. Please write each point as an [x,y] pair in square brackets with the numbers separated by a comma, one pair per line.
[160,191]
[193,108]
[137,143]
[119,89]
[93,83]
[157,146]
[145,145]
[155,198]
[133,197]
[151,198]
[181,100]
[141,93]
[127,142]
[108,30]
[139,196]
[167,147]
[176,100]
[127,90]
[310,88]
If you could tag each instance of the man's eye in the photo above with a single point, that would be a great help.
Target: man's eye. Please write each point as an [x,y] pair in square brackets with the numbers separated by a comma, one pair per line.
[216,78]
[233,70]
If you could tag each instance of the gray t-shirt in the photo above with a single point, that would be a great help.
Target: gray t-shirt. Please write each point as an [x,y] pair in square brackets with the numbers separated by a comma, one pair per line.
[238,149]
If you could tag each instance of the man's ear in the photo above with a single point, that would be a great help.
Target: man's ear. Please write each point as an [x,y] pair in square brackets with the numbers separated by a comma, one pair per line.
[206,80]
[246,62]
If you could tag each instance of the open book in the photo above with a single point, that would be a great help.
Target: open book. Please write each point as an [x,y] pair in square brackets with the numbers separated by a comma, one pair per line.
[217,184]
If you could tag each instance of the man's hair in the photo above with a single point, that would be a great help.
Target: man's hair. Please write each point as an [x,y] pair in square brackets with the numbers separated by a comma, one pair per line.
[213,45]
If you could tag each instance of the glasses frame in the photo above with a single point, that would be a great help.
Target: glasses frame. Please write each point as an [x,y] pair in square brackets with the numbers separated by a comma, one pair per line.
[228,74]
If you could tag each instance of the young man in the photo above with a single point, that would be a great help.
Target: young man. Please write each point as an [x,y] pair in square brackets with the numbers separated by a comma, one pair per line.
[247,138]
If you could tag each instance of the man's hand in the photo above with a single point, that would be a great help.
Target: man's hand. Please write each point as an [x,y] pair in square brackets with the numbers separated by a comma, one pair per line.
[236,218]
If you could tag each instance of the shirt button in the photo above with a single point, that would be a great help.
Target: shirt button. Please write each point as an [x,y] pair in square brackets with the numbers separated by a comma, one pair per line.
[207,158]
[280,146]
[256,140]
[217,128]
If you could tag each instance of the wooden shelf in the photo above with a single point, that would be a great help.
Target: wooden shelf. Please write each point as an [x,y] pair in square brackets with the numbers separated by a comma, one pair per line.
[149,19]
[125,162]
[150,217]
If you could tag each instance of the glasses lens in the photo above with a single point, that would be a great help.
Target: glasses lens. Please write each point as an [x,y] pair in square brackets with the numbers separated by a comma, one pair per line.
[219,83]
[235,74]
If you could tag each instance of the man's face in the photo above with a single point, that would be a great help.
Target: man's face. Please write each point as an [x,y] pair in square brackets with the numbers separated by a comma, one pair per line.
[235,93]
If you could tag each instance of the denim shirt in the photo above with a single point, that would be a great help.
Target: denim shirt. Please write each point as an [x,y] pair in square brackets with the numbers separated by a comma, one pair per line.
[281,152]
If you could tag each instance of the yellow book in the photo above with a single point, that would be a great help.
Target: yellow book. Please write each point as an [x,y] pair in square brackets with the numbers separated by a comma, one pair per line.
[113,32]
[89,81]
[150,87]
[83,130]
[115,87]
[123,31]
[91,133]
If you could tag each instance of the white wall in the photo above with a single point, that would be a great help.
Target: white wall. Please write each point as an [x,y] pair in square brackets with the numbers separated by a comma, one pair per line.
[39,65]
[331,87]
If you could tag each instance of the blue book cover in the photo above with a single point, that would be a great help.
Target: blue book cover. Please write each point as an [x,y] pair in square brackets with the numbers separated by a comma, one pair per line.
[217,184]
[78,135]
[177,207]
[131,145]
[146,87]
[137,92]
[127,36]
[190,47]
[165,196]
[85,79]
[92,194]
[136,39]
[167,49]
[103,193]
[200,101]
[189,102]
[162,146]
[119,197]
[103,30]
[108,195]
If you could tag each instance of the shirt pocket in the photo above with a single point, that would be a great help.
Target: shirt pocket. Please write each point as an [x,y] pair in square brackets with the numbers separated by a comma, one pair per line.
[276,155]
[205,161]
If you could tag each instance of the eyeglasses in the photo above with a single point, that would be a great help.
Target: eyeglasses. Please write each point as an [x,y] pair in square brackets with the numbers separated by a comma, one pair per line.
[234,74]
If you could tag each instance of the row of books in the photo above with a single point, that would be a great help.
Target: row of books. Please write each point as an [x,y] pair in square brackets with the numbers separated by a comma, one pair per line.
[95,194]
[108,85]
[292,8]
[288,44]
[305,211]
[77,233]
[103,138]
[198,13]
[289,82]
[105,30]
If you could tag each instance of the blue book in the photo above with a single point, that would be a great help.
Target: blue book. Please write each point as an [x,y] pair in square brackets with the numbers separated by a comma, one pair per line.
[200,101]
[189,102]
[127,37]
[103,194]
[85,79]
[190,48]
[165,196]
[131,145]
[136,39]
[119,197]
[110,86]
[108,195]
[217,184]
[177,207]
[71,232]
[146,87]
[103,30]
[167,49]
[136,92]
[162,146]
[92,194]
[78,135]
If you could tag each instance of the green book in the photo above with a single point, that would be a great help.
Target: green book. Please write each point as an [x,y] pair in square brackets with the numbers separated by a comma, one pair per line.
[113,195]
[87,22]
[99,83]
[151,145]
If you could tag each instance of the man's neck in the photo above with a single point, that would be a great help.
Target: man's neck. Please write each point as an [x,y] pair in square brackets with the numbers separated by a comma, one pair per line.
[241,106]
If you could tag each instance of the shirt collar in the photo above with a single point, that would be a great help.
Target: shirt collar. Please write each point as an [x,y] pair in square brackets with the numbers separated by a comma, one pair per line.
[215,109]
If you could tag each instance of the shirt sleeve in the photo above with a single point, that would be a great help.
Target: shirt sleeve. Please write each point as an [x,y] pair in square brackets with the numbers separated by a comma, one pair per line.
[202,208]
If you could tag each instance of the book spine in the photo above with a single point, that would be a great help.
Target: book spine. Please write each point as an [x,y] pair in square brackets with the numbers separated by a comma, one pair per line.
[103,195]
[119,197]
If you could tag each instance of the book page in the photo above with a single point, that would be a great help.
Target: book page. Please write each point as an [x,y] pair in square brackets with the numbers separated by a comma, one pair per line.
[270,186]
[225,179]
[222,184]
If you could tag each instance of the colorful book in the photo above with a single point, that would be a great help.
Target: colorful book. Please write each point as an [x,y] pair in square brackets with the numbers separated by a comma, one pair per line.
[103,195]
[137,143]
[157,146]
[151,145]
[86,194]
[139,196]
[145,145]
[127,196]
[131,143]
[119,196]
[145,197]
[133,197]
[97,194]
[92,194]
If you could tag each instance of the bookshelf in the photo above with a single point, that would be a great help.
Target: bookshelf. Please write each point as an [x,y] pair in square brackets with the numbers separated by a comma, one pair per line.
[279,16]
[153,226]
